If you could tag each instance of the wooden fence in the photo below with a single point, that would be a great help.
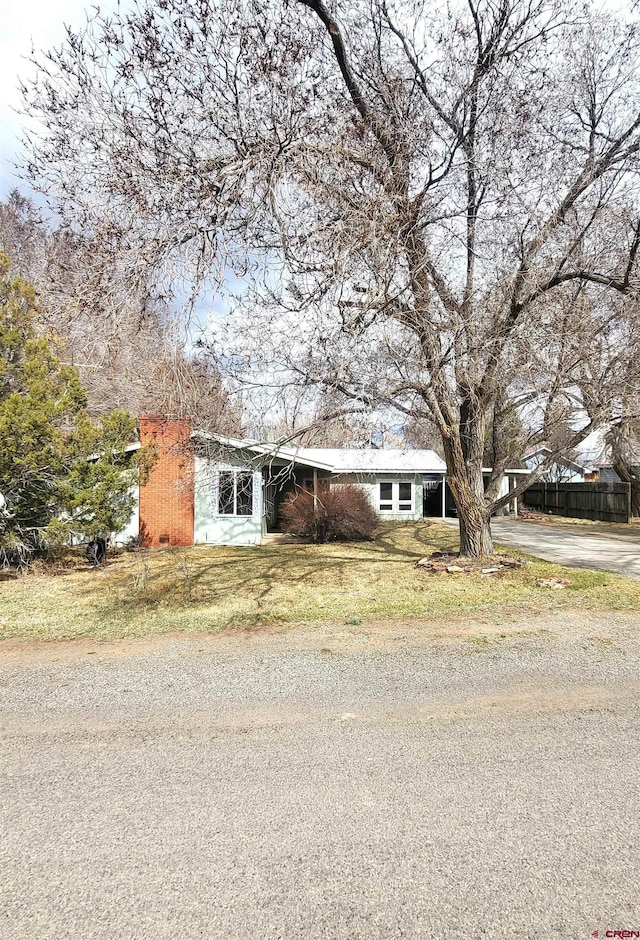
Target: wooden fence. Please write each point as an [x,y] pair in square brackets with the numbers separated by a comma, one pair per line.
[607,502]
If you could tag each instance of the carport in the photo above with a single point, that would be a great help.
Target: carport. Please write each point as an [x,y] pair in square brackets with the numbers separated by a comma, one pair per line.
[438,501]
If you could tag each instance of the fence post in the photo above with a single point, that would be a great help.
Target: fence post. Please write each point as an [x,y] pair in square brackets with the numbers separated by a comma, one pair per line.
[629,502]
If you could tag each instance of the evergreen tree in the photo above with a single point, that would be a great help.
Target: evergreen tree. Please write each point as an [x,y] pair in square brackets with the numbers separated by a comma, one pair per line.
[60,474]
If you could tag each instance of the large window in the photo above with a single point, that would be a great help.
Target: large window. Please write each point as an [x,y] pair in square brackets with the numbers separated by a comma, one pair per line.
[396,497]
[234,494]
[386,497]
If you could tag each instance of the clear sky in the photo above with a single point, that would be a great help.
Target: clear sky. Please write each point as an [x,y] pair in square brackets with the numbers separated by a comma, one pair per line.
[27,23]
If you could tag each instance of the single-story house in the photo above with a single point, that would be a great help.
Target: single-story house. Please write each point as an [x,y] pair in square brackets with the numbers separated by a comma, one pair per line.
[562,470]
[216,490]
[606,471]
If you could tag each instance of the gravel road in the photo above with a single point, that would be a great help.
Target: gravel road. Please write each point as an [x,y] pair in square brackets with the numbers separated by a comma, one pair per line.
[479,780]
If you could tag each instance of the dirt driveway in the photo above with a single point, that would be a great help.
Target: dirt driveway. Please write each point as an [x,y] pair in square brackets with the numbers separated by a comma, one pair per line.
[329,785]
[579,546]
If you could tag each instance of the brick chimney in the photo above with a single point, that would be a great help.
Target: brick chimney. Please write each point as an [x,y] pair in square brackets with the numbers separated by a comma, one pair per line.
[167,496]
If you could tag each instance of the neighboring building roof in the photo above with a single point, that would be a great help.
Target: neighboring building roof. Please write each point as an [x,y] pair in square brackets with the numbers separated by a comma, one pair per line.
[596,453]
[594,457]
[632,454]
[542,449]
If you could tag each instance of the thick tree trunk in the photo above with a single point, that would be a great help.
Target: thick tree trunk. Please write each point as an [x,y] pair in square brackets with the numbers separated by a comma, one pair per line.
[475,537]
[475,525]
[464,455]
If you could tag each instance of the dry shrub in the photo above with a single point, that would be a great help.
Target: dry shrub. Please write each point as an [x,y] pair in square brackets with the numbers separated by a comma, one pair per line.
[342,514]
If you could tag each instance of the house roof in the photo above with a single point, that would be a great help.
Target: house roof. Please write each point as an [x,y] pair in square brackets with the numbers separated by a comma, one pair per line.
[339,459]
[270,451]
[344,459]
[372,460]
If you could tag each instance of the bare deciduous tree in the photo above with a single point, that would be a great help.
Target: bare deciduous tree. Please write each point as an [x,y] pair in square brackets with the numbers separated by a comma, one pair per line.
[624,442]
[436,206]
[623,435]
[130,354]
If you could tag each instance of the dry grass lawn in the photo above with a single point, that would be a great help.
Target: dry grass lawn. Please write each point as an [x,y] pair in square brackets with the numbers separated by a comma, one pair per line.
[213,589]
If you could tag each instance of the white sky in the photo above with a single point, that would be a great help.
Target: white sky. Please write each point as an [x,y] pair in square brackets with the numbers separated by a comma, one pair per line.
[40,23]
[27,23]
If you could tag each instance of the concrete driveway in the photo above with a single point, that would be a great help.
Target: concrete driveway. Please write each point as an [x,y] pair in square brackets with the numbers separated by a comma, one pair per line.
[579,546]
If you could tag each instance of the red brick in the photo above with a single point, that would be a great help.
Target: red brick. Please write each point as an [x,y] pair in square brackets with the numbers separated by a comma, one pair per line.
[167,496]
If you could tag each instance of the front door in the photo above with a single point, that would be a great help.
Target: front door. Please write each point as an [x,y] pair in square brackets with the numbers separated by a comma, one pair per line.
[432,497]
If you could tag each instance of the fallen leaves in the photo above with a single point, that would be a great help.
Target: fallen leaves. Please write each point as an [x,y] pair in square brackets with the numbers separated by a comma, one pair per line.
[554,583]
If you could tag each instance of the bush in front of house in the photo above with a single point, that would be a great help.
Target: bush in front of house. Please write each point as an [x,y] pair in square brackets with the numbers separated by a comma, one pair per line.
[342,514]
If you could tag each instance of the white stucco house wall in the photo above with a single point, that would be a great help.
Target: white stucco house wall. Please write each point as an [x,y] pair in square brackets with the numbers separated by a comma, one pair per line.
[261,475]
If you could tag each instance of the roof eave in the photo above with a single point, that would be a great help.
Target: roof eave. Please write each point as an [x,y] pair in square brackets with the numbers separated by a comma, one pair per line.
[264,450]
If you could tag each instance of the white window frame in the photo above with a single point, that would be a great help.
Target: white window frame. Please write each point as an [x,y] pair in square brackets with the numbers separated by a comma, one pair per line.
[395,498]
[235,471]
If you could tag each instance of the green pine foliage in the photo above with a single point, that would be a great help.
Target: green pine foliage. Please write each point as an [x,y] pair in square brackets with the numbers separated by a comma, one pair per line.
[61,475]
